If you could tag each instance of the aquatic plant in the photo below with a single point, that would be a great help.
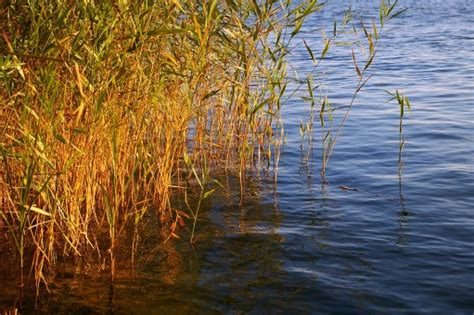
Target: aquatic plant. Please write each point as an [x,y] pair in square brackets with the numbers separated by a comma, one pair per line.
[403,102]
[368,47]
[106,105]
[108,109]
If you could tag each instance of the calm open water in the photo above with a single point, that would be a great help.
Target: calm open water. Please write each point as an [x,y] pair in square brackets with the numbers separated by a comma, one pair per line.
[396,245]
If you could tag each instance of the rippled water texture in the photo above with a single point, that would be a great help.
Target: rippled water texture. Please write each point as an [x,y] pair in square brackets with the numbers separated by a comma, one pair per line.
[393,246]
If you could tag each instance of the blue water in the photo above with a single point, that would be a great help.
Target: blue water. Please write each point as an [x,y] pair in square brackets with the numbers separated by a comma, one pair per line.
[393,244]
[396,245]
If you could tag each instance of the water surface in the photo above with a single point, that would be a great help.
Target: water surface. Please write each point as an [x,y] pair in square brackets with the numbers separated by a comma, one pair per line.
[394,245]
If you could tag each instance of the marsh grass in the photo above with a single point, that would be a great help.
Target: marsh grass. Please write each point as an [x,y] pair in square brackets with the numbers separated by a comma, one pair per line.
[362,37]
[403,102]
[109,108]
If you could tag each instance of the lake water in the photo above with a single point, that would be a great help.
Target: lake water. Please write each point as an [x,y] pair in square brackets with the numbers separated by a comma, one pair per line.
[392,245]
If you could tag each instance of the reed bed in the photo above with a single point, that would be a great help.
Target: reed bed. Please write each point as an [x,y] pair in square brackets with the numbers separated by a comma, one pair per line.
[109,109]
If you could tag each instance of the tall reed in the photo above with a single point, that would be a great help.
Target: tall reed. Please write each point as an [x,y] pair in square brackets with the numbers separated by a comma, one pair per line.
[366,46]
[102,100]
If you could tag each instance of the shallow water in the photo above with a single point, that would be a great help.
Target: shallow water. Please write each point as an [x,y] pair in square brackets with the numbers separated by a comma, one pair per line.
[393,245]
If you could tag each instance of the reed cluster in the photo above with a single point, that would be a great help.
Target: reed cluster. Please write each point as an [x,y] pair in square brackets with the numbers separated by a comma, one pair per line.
[107,107]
